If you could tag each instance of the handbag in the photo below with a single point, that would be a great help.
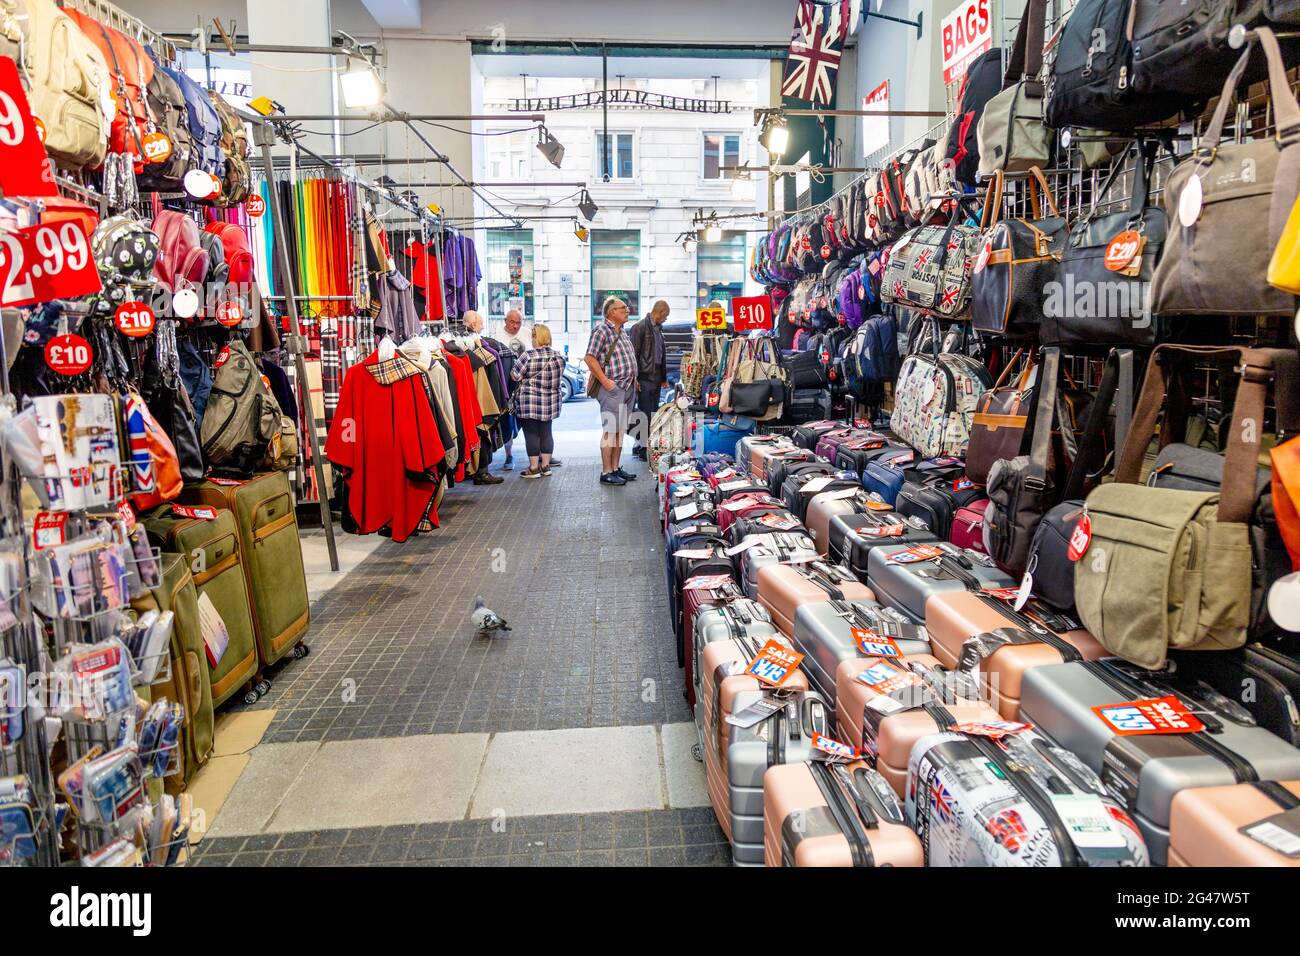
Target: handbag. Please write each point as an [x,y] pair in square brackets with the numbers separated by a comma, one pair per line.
[1011,133]
[756,380]
[153,451]
[1247,192]
[1001,416]
[593,381]
[934,401]
[1017,258]
[1170,568]
[1091,301]
[930,268]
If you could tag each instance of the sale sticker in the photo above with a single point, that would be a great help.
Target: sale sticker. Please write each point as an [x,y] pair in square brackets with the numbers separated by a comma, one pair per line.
[255,206]
[68,354]
[48,529]
[752,313]
[993,729]
[134,319]
[922,552]
[157,147]
[962,484]
[197,512]
[872,644]
[127,514]
[834,748]
[24,166]
[884,531]
[1123,249]
[779,522]
[885,678]
[774,664]
[1156,715]
[711,320]
[230,314]
[1080,538]
[45,262]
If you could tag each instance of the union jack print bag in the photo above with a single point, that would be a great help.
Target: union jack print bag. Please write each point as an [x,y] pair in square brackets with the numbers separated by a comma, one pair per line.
[930,268]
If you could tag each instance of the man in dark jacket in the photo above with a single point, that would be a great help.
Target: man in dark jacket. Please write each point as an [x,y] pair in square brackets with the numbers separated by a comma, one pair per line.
[652,369]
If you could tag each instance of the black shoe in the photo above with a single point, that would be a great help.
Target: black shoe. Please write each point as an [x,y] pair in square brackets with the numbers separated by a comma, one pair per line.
[610,478]
[483,478]
[556,463]
[625,475]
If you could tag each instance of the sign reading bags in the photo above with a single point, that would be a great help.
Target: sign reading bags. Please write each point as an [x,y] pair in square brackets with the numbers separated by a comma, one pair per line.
[966,32]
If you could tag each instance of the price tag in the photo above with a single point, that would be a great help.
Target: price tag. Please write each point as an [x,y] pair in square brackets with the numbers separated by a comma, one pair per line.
[1284,601]
[1157,715]
[1025,590]
[878,504]
[962,484]
[745,545]
[24,166]
[884,531]
[839,494]
[752,313]
[185,304]
[1123,249]
[1189,202]
[1088,821]
[157,147]
[885,678]
[759,710]
[201,184]
[779,522]
[1080,538]
[923,552]
[706,582]
[199,513]
[993,729]
[711,320]
[48,529]
[1002,594]
[774,664]
[230,314]
[684,491]
[746,501]
[45,262]
[68,354]
[693,554]
[127,514]
[686,511]
[817,484]
[1280,833]
[833,748]
[884,704]
[255,206]
[872,644]
[134,319]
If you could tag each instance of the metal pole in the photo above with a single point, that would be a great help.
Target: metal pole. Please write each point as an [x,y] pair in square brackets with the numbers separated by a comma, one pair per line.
[442,281]
[604,110]
[395,116]
[264,136]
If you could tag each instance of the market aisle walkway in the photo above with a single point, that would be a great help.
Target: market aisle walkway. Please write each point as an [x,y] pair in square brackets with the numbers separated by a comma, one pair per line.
[403,737]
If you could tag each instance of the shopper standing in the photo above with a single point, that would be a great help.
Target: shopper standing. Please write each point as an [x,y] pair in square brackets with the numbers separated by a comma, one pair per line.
[473,323]
[651,371]
[539,372]
[611,361]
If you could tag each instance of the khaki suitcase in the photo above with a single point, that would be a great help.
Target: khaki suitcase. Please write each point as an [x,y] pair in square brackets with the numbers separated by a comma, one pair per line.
[823,814]
[211,548]
[887,732]
[271,555]
[980,632]
[762,453]
[782,588]
[1206,825]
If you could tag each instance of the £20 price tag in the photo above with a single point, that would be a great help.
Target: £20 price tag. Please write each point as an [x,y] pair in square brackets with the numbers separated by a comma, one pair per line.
[1156,715]
[157,147]
[255,206]
[1080,538]
[774,664]
[24,166]
[50,261]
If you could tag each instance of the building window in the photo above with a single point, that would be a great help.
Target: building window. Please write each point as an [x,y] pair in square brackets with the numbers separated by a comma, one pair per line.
[509,155]
[720,269]
[721,149]
[615,269]
[510,271]
[620,158]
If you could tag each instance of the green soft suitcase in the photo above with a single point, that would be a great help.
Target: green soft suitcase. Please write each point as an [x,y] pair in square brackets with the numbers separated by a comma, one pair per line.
[189,684]
[272,557]
[212,549]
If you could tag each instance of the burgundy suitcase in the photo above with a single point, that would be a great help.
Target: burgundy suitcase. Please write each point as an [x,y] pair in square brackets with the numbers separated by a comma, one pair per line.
[706,590]
[743,506]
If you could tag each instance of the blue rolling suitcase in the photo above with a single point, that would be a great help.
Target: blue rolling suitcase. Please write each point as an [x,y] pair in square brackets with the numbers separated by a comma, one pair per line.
[885,475]
[721,435]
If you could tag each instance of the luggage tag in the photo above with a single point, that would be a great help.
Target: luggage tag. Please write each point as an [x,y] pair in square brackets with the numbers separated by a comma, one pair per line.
[684,491]
[694,554]
[746,501]
[744,546]
[833,750]
[682,511]
[755,713]
[817,484]
[840,494]
[1280,833]
[1190,201]
[201,513]
[774,664]
[884,678]
[884,531]
[992,729]
[1080,538]
[921,553]
[1157,715]
[733,485]
[778,522]
[706,582]
[1088,820]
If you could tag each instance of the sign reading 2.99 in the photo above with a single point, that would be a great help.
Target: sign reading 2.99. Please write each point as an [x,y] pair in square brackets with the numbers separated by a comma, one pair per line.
[45,262]
[24,167]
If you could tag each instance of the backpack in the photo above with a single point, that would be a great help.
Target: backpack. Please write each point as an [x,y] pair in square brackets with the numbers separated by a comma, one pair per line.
[982,82]
[203,123]
[167,103]
[238,178]
[125,249]
[238,256]
[130,72]
[241,417]
[65,73]
[182,262]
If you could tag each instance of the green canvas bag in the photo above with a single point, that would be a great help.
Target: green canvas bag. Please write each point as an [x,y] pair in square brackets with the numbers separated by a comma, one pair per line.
[1169,568]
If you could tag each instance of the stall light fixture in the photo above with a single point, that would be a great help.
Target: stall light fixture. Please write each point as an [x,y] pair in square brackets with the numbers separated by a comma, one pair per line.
[550,147]
[691,244]
[580,231]
[362,87]
[776,134]
[587,207]
[713,233]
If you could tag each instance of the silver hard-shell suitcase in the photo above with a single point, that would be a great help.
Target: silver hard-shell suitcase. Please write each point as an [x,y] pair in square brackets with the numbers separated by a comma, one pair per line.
[823,633]
[908,586]
[733,621]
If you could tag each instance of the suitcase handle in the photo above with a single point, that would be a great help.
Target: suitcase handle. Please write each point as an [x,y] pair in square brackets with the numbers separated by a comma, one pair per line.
[808,724]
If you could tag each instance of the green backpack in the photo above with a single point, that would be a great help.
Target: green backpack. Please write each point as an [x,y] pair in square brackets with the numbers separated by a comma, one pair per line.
[241,417]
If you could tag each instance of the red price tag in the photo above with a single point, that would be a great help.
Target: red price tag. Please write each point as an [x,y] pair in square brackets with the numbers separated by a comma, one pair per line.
[834,748]
[993,729]
[872,644]
[255,206]
[49,261]
[48,529]
[924,552]
[963,484]
[1156,715]
[127,514]
[134,319]
[826,252]
[1080,538]
[200,513]
[774,664]
[24,167]
[230,314]
[752,313]
[1121,250]
[68,354]
[157,147]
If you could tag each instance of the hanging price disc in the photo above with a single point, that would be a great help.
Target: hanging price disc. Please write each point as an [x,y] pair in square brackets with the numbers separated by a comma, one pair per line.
[157,147]
[134,319]
[40,129]
[255,206]
[230,314]
[68,354]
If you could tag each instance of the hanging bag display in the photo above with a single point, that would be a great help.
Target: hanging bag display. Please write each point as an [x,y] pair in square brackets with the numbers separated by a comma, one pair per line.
[934,401]
[1016,260]
[1001,417]
[237,181]
[930,268]
[1011,133]
[757,386]
[1227,204]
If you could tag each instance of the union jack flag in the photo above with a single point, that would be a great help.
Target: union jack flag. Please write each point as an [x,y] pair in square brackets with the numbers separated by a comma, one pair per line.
[899,291]
[922,257]
[816,44]
[950,295]
[940,801]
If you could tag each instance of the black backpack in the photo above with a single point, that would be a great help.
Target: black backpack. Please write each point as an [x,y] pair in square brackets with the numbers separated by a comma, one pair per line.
[167,107]
[982,82]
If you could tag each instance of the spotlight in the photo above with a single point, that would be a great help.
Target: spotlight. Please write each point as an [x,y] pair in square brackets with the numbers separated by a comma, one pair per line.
[550,147]
[713,232]
[776,134]
[361,84]
[690,245]
[581,232]
[587,207]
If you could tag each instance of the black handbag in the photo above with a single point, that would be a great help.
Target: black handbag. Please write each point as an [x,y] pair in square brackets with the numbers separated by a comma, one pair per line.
[1088,303]
[805,368]
[752,399]
[1017,259]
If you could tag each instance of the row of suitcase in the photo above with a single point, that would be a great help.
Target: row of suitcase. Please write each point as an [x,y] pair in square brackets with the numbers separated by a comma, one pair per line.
[1034,666]
[237,543]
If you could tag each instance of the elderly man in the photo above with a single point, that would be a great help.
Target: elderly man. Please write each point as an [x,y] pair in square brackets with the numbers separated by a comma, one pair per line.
[473,323]
[611,361]
[651,371]
[511,338]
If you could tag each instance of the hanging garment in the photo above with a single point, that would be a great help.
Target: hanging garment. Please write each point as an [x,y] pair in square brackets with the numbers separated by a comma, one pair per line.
[397,316]
[471,414]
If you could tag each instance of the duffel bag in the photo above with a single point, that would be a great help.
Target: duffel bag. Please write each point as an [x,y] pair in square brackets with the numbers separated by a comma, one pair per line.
[934,402]
[1010,132]
[930,268]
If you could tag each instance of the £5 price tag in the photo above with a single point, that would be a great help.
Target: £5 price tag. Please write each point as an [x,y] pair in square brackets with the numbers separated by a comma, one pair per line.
[24,166]
[711,320]
[774,664]
[44,262]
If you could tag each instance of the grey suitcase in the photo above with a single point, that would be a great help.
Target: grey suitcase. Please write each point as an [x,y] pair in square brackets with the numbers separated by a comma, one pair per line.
[823,633]
[781,548]
[784,737]
[735,621]
[908,586]
[778,470]
[853,537]
[1145,772]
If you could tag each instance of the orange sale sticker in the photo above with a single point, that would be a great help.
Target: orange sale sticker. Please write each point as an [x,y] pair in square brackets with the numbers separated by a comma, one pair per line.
[774,664]
[1157,715]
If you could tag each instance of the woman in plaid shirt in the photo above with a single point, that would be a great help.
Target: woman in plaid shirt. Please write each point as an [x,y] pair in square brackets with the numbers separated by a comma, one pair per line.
[539,372]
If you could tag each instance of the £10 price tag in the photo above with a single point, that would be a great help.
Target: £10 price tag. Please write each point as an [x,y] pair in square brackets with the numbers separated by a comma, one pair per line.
[68,354]
[1156,715]
[752,313]
[230,314]
[872,644]
[134,319]
[24,166]
[45,262]
[774,664]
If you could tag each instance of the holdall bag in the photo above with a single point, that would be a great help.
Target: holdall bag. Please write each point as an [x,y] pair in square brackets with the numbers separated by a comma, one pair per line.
[930,268]
[967,529]
[934,402]
[241,416]
[833,815]
[1090,303]
[830,632]
[1017,258]
[1247,192]
[1238,825]
[718,435]
[1166,568]
[853,537]
[982,82]
[1146,771]
[1001,417]
[1021,489]
[1010,132]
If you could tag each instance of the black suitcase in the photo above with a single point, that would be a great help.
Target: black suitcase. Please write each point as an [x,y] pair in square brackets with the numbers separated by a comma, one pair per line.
[935,500]
[853,537]
[807,435]
[736,487]
[854,456]
[1263,678]
[778,469]
[807,404]
[742,528]
[796,498]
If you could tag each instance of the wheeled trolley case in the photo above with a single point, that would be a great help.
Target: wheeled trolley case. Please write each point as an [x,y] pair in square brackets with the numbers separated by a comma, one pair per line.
[779,548]
[852,537]
[830,632]
[782,588]
[1247,824]
[907,586]
[732,621]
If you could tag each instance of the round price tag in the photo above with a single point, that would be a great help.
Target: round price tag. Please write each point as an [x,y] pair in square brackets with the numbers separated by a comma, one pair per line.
[134,319]
[157,147]
[826,252]
[1284,601]
[68,354]
[1080,538]
[1189,202]
[255,206]
[1121,250]
[201,184]
[185,304]
[230,314]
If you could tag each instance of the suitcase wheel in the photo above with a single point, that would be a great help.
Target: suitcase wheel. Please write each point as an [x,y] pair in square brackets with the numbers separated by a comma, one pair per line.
[697,752]
[251,696]
[262,687]
[300,651]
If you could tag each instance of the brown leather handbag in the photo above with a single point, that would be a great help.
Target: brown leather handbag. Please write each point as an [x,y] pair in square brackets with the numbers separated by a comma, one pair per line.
[1001,415]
